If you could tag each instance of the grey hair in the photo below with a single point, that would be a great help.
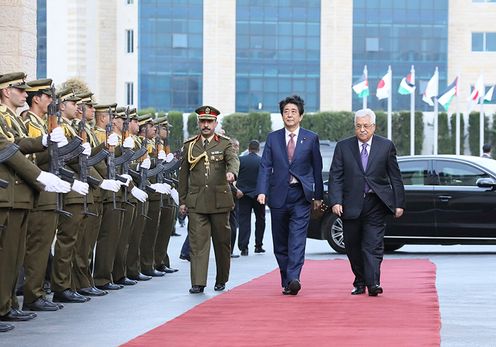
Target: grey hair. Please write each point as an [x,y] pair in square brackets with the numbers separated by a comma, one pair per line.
[364,113]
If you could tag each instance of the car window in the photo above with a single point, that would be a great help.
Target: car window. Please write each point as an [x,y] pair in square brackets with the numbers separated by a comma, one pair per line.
[457,174]
[414,172]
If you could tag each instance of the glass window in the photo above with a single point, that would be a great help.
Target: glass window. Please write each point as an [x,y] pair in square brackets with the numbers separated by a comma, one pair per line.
[179,40]
[415,172]
[477,42]
[491,42]
[457,174]
[129,93]
[130,41]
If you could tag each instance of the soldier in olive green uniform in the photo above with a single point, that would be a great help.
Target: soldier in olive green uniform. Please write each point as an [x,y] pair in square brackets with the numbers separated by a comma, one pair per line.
[17,198]
[209,164]
[168,213]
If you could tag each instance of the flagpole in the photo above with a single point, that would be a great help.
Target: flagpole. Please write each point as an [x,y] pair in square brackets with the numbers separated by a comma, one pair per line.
[390,106]
[457,126]
[366,74]
[412,114]
[481,120]
[436,125]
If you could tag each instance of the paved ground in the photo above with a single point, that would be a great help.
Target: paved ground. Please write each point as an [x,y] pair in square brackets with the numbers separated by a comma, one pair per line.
[465,281]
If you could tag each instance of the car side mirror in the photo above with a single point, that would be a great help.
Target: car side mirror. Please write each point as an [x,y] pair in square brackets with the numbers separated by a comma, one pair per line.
[486,182]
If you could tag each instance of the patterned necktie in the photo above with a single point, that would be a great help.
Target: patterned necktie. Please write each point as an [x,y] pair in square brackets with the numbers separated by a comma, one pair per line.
[365,159]
[291,147]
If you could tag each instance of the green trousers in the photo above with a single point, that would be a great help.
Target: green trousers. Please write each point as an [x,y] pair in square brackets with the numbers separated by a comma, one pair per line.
[165,228]
[133,251]
[149,237]
[119,270]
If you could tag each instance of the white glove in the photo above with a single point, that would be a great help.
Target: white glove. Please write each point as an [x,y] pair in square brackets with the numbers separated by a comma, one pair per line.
[175,195]
[160,188]
[140,195]
[87,149]
[145,164]
[169,157]
[111,185]
[113,139]
[57,135]
[128,143]
[80,187]
[161,155]
[52,183]
[128,180]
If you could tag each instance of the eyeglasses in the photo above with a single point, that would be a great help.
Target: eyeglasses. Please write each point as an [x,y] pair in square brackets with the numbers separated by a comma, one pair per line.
[365,126]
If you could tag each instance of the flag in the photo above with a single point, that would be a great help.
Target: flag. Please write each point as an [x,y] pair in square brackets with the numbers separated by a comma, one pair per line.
[407,85]
[449,93]
[361,87]
[489,95]
[478,91]
[431,90]
[384,86]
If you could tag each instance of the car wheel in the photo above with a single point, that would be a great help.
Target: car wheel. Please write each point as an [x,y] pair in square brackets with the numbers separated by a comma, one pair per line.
[332,229]
[391,247]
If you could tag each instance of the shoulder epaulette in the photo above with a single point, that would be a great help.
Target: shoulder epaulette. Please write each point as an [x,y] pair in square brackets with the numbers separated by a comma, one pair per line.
[224,136]
[3,108]
[191,139]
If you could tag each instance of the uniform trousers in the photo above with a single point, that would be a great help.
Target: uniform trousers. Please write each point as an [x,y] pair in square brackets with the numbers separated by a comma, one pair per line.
[133,251]
[12,249]
[165,229]
[149,237]
[42,226]
[119,270]
[201,228]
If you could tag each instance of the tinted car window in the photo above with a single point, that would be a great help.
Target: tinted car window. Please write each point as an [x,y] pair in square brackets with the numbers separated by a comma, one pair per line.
[457,174]
[415,172]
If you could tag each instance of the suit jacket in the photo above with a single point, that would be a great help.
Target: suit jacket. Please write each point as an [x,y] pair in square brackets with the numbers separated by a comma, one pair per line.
[275,169]
[204,188]
[248,173]
[347,177]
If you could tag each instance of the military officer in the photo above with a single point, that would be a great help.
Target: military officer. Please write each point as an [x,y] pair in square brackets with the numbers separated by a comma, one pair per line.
[209,164]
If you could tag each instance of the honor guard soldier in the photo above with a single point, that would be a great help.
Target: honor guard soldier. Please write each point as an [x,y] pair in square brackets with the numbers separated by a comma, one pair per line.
[209,164]
[166,226]
[16,197]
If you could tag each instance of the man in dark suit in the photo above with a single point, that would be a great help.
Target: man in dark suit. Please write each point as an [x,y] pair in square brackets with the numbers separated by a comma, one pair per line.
[290,181]
[364,186]
[247,184]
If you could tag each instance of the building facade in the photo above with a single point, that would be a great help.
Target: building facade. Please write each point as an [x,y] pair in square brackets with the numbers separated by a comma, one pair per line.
[246,55]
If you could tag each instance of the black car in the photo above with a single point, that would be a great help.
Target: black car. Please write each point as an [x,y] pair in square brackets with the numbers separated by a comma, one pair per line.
[449,200]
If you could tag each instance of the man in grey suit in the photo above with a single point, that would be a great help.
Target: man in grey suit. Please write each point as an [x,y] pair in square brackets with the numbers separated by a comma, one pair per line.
[364,186]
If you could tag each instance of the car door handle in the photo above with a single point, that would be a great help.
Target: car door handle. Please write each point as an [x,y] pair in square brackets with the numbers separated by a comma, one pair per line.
[444,198]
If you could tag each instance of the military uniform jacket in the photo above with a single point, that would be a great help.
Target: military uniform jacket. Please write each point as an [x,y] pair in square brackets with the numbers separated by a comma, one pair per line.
[203,186]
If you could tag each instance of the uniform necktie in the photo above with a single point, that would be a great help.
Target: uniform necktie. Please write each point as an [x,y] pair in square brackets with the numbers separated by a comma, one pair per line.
[365,159]
[291,147]
[205,143]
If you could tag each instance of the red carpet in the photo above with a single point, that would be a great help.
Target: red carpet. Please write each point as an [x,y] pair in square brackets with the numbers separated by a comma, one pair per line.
[323,313]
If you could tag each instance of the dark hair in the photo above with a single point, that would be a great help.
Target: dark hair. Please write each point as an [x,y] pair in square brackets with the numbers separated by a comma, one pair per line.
[254,146]
[486,148]
[295,99]
[30,97]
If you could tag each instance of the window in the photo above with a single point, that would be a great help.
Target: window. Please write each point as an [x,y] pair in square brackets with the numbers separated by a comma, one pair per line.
[414,172]
[372,44]
[129,93]
[484,42]
[130,2]
[179,41]
[457,174]
[130,40]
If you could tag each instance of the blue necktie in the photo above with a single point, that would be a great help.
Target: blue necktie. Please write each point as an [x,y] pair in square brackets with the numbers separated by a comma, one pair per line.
[365,159]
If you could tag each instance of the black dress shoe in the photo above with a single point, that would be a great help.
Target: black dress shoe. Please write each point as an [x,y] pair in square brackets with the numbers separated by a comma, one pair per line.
[126,282]
[140,277]
[234,255]
[166,269]
[4,327]
[154,273]
[184,257]
[286,291]
[294,287]
[16,315]
[219,287]
[110,286]
[375,290]
[69,295]
[259,249]
[41,304]
[92,291]
[358,290]
[196,289]
[244,252]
